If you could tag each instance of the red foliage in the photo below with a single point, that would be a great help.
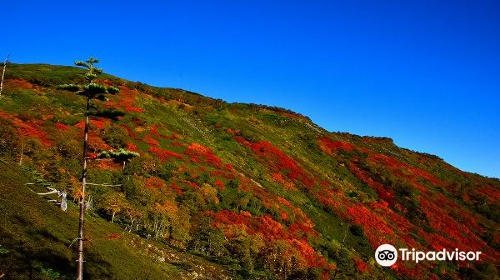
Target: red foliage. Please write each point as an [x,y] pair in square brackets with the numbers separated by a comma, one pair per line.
[176,188]
[164,154]
[399,222]
[380,223]
[132,109]
[361,266]
[61,126]
[154,131]
[270,229]
[222,174]
[32,129]
[399,169]
[96,144]
[295,116]
[220,185]
[383,192]
[229,167]
[175,136]
[376,228]
[98,123]
[264,225]
[191,184]
[452,233]
[330,147]
[113,236]
[130,132]
[402,169]
[490,192]
[92,155]
[302,228]
[335,200]
[125,99]
[278,160]
[150,141]
[312,258]
[132,147]
[177,144]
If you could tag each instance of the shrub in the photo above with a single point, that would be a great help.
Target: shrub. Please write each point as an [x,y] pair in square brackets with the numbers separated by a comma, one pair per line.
[115,136]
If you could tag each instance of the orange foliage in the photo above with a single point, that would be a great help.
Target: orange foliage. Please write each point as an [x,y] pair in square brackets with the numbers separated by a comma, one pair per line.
[108,165]
[232,131]
[278,178]
[96,143]
[113,236]
[19,83]
[200,153]
[155,183]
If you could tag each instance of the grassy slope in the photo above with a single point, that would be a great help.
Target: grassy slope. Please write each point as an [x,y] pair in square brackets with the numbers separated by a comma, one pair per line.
[226,129]
[35,238]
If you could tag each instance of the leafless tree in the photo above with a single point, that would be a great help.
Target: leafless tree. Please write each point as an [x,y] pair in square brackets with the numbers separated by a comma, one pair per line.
[3,73]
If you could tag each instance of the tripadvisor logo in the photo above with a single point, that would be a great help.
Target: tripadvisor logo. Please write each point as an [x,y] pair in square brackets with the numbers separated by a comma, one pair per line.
[387,255]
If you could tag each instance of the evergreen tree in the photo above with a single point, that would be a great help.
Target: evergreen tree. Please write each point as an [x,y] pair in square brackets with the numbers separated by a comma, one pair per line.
[90,90]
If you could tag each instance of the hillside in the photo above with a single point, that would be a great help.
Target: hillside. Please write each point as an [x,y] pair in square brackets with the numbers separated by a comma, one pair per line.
[223,191]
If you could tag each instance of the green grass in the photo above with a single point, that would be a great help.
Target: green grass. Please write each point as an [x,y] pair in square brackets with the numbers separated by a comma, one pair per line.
[35,236]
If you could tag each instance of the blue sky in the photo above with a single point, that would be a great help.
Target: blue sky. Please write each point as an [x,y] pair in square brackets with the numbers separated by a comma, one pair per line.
[425,73]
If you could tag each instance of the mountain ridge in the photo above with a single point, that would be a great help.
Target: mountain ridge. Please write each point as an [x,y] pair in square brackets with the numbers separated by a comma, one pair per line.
[260,191]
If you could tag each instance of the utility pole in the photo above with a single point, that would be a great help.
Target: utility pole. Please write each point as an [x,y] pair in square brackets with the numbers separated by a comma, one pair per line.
[3,73]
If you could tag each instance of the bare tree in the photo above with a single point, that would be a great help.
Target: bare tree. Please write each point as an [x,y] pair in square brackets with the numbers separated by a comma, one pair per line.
[3,73]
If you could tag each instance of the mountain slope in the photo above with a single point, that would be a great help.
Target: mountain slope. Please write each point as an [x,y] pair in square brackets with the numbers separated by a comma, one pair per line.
[238,190]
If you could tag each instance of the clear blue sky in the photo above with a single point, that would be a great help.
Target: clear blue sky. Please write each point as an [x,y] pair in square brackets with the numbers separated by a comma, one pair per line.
[426,73]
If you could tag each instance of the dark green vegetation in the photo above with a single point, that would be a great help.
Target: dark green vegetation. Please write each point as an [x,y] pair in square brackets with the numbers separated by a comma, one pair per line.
[223,190]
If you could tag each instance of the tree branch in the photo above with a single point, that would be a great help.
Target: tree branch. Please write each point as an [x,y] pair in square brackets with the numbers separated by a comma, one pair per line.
[104,185]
